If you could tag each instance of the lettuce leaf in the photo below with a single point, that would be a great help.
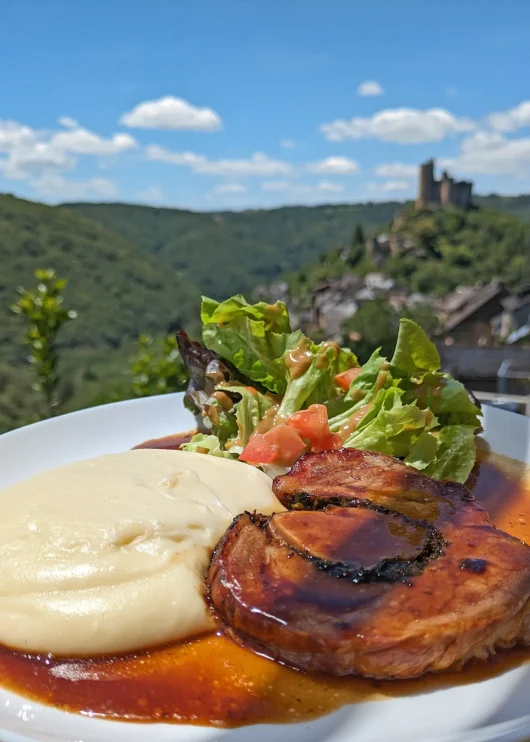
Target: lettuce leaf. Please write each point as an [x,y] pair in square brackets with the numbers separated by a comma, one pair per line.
[253,337]
[390,426]
[252,408]
[414,355]
[208,444]
[447,454]
[374,376]
[316,382]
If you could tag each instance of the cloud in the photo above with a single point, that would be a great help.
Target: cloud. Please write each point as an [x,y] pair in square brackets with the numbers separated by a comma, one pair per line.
[370,88]
[58,188]
[160,154]
[230,188]
[274,185]
[30,153]
[390,186]
[257,164]
[83,142]
[287,143]
[68,122]
[515,118]
[171,113]
[326,185]
[396,170]
[152,194]
[334,166]
[400,125]
[395,185]
[490,153]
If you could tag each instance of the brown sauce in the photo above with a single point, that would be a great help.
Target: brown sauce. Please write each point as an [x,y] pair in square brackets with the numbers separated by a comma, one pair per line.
[212,681]
[350,426]
[171,442]
[298,359]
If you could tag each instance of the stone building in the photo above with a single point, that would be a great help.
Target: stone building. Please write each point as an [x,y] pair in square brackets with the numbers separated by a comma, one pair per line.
[433,193]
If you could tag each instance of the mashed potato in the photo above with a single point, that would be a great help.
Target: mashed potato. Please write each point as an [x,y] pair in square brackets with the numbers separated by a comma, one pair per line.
[109,555]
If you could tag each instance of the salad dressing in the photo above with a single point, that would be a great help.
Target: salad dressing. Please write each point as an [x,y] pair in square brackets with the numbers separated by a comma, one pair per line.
[298,359]
[212,681]
[267,421]
[224,400]
[350,426]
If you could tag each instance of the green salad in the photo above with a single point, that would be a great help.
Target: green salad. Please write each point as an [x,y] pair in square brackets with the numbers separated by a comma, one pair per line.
[265,395]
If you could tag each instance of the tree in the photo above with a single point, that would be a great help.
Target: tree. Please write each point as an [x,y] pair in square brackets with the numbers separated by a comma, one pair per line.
[157,367]
[376,323]
[357,248]
[358,235]
[45,314]
[373,326]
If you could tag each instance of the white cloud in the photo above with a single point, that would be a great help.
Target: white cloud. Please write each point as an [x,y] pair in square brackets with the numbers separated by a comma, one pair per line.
[287,143]
[152,194]
[515,118]
[83,142]
[401,125]
[396,170]
[31,153]
[490,153]
[334,165]
[171,113]
[58,188]
[257,164]
[274,185]
[160,154]
[14,135]
[326,185]
[370,88]
[230,188]
[390,186]
[395,185]
[68,123]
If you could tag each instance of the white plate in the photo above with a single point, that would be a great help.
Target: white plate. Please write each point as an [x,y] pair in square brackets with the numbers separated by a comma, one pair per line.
[493,709]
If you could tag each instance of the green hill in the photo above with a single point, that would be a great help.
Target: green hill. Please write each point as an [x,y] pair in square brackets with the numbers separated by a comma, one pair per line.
[225,252]
[435,252]
[135,269]
[117,289]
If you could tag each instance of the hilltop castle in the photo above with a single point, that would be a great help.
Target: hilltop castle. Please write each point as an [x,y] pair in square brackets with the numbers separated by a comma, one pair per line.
[433,193]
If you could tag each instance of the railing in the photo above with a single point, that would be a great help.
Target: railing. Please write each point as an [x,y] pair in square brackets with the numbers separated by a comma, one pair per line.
[508,401]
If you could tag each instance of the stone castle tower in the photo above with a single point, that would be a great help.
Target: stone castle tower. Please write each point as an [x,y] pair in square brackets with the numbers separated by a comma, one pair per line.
[433,193]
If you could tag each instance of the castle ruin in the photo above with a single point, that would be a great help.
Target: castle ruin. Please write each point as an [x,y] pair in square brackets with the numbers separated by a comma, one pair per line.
[434,193]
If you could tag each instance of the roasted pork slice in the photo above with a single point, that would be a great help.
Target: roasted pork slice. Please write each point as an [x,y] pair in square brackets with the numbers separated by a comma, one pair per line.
[375,570]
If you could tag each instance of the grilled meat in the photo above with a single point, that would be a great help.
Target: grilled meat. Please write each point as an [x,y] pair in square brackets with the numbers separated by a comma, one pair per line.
[375,569]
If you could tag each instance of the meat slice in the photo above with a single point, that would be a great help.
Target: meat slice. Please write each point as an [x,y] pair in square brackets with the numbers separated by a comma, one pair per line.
[376,570]
[354,539]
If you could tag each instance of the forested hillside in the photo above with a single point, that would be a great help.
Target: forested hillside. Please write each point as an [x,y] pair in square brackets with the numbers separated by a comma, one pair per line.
[446,249]
[134,269]
[228,251]
[118,290]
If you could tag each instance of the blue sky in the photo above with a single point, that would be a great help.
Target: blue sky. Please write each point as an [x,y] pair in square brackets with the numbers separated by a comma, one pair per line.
[211,104]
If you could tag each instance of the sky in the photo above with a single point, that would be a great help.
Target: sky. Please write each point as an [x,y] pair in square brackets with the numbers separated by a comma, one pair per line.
[236,104]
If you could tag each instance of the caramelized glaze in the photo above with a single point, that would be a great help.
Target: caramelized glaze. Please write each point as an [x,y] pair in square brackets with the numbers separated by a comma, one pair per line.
[212,681]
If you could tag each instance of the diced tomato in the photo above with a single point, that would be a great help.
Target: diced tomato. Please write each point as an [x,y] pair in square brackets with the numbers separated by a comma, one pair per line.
[332,440]
[312,423]
[287,444]
[258,451]
[345,378]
